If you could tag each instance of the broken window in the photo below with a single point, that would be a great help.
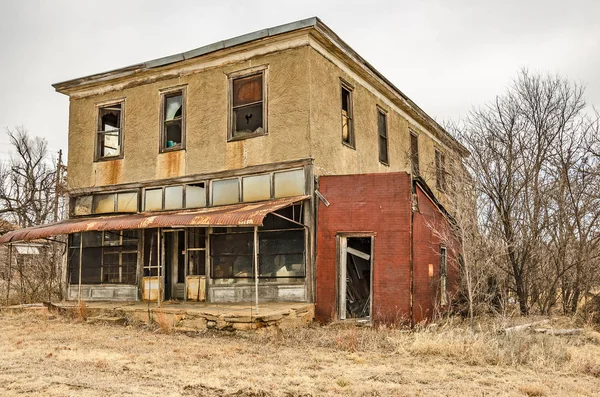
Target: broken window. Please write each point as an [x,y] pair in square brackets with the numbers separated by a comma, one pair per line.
[414,154]
[106,257]
[347,122]
[173,197]
[383,139]
[256,188]
[443,277]
[103,203]
[109,132]
[247,107]
[225,191]
[440,171]
[281,247]
[173,120]
[195,195]
[289,183]
[232,253]
[83,205]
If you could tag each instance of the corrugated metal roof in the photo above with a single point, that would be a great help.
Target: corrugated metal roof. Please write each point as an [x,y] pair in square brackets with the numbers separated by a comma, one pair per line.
[247,214]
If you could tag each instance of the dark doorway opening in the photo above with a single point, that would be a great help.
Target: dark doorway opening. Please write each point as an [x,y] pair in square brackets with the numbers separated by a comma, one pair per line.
[355,277]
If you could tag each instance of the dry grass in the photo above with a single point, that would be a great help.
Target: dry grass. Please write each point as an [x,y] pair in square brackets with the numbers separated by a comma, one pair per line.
[56,356]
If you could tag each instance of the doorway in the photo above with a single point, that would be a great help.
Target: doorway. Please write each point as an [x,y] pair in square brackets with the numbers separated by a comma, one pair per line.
[173,249]
[355,271]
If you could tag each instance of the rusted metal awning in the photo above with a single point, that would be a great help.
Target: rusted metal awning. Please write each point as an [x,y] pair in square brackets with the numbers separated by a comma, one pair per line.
[247,214]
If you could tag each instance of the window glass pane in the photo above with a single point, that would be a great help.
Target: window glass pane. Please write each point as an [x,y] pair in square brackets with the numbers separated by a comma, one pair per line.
[109,144]
[92,239]
[153,200]
[104,203]
[248,120]
[196,237]
[231,255]
[112,238]
[127,202]
[173,107]
[256,188]
[110,117]
[83,205]
[247,90]
[383,156]
[289,183]
[196,263]
[225,191]
[282,265]
[195,196]
[173,197]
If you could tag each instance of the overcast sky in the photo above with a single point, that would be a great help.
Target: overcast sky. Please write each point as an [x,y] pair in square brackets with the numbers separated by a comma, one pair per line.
[446,55]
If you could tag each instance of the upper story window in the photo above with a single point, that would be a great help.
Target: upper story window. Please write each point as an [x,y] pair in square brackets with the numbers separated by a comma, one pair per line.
[109,134]
[414,154]
[172,134]
[383,137]
[440,170]
[247,104]
[347,116]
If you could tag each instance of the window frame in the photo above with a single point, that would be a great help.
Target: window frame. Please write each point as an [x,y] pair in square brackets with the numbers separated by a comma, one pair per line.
[443,276]
[414,155]
[99,106]
[164,94]
[384,113]
[440,170]
[344,85]
[241,74]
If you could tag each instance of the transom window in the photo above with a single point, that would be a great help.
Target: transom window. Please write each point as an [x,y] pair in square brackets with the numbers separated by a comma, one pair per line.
[109,132]
[247,105]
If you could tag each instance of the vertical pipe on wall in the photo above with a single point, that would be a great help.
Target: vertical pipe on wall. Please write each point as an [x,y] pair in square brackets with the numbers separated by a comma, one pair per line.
[161,259]
[256,267]
[80,266]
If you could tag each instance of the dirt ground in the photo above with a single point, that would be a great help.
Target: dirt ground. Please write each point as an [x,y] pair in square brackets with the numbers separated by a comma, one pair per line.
[46,354]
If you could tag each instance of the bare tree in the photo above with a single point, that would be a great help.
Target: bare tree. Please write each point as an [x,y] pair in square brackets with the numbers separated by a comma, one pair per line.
[533,167]
[31,186]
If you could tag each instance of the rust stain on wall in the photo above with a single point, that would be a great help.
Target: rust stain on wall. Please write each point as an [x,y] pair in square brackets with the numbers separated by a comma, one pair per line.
[171,164]
[109,172]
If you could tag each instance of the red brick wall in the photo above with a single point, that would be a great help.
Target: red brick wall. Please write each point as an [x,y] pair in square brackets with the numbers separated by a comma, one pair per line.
[431,231]
[377,203]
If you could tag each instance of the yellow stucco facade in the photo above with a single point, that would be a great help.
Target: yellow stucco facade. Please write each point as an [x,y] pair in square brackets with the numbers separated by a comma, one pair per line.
[304,118]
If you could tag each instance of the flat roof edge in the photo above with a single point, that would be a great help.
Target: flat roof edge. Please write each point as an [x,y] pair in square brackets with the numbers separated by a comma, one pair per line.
[197,52]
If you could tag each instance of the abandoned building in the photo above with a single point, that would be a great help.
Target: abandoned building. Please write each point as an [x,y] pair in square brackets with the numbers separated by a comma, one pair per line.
[278,166]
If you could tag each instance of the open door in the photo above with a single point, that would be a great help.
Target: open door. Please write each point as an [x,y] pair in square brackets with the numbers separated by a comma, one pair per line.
[355,282]
[173,246]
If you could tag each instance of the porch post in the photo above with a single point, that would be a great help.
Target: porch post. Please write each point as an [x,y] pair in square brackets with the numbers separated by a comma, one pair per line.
[256,267]
[160,256]
[80,266]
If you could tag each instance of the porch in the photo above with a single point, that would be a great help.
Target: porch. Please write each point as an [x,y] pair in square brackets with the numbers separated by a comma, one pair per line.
[198,316]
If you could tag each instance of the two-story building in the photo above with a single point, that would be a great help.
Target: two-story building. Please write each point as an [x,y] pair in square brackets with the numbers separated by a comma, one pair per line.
[278,166]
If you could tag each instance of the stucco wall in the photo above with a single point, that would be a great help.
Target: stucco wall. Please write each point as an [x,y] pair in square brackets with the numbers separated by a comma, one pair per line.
[333,157]
[207,149]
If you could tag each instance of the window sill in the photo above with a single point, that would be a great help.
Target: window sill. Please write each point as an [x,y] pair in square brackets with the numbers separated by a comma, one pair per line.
[348,145]
[384,163]
[172,149]
[111,158]
[247,136]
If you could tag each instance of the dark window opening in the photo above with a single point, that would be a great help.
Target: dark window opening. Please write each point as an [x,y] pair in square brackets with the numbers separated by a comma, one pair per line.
[443,277]
[196,250]
[383,139]
[414,154]
[281,247]
[247,106]
[107,257]
[440,171]
[347,122]
[109,137]
[173,121]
